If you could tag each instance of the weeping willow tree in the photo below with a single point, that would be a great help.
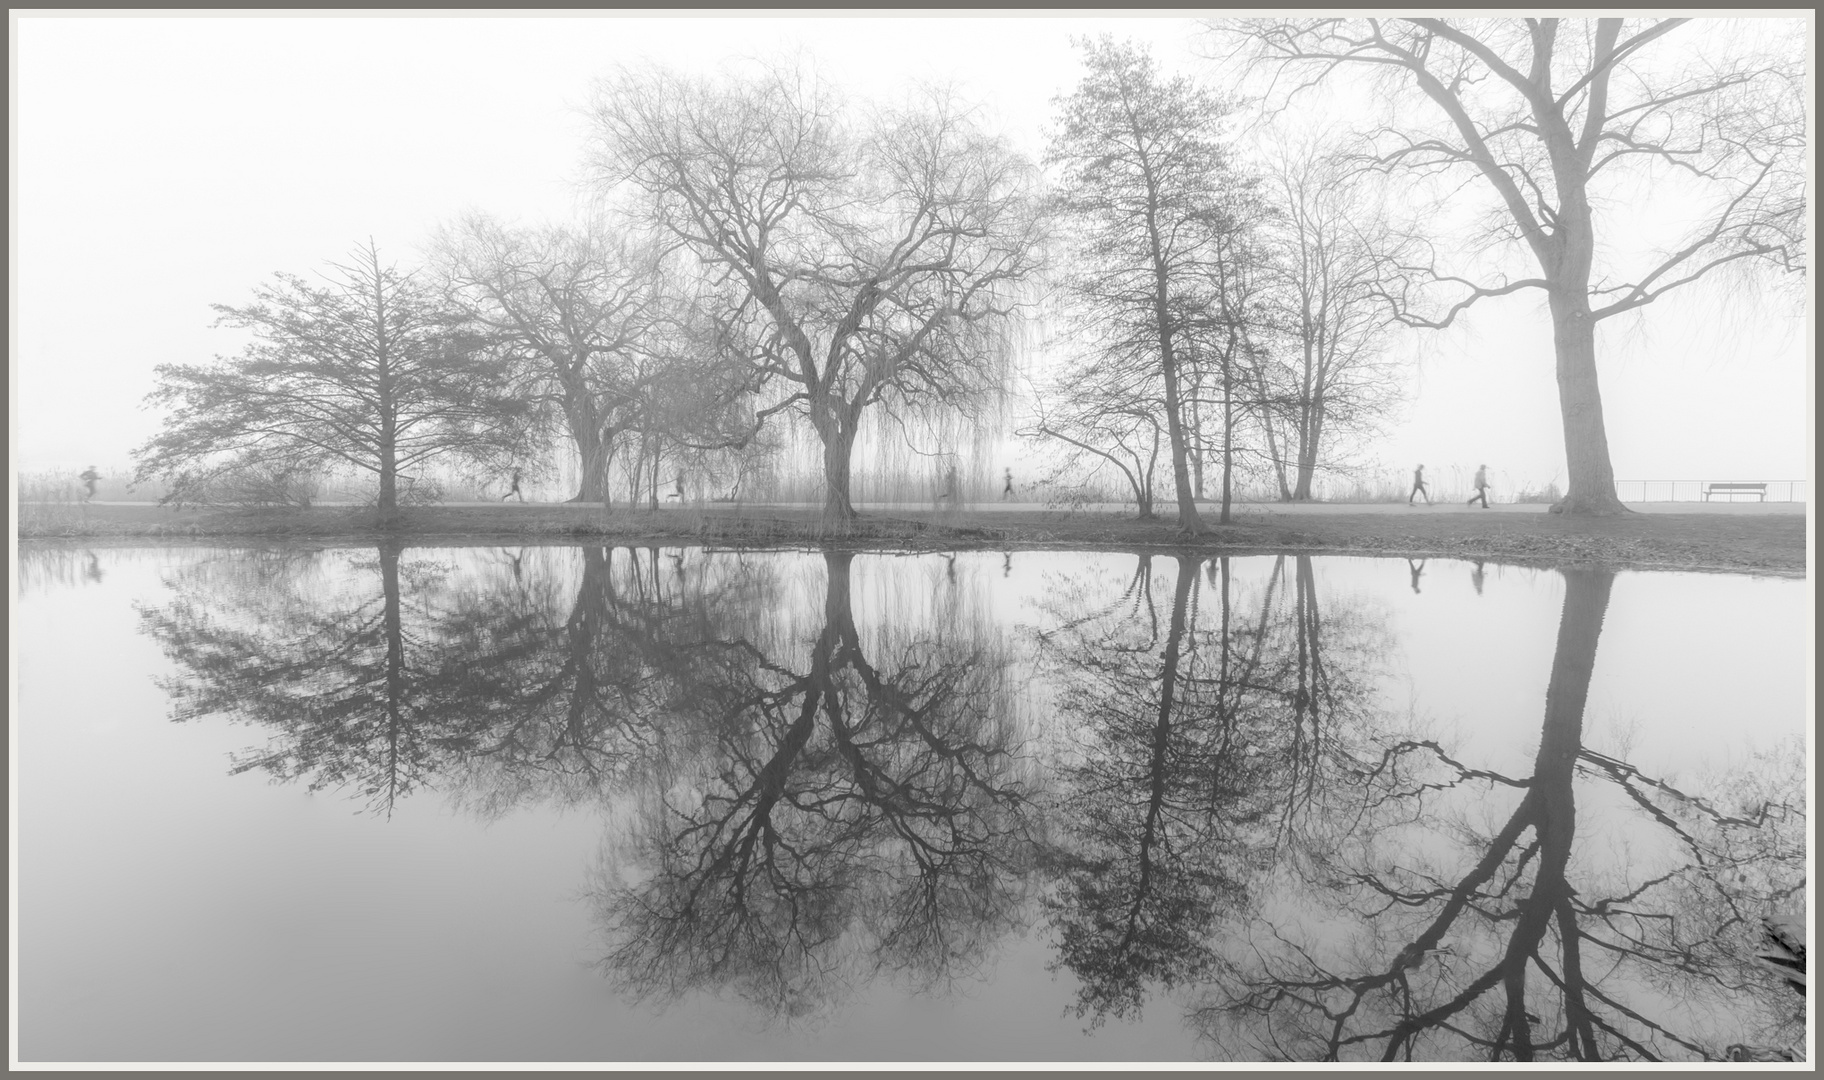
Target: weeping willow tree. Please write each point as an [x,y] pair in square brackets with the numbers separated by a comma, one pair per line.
[865,262]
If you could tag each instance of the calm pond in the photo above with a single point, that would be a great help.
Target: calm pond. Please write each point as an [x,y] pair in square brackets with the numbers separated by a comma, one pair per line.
[581,804]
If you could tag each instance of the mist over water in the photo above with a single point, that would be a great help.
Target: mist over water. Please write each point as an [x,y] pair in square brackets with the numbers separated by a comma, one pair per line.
[573,804]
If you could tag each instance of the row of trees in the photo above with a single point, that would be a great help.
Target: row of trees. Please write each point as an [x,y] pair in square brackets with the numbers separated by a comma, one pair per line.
[1218,309]
[1212,798]
[770,249]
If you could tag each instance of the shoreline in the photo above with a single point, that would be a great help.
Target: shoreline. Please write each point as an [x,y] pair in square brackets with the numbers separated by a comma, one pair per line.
[1743,542]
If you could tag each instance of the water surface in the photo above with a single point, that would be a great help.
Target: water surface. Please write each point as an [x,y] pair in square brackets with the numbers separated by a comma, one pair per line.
[573,804]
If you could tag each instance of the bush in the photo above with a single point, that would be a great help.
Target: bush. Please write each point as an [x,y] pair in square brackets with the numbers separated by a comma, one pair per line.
[260,487]
[420,491]
[1548,494]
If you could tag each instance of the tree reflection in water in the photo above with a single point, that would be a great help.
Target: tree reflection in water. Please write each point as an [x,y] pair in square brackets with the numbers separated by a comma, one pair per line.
[860,812]
[350,684]
[382,674]
[1197,745]
[1413,933]
[802,797]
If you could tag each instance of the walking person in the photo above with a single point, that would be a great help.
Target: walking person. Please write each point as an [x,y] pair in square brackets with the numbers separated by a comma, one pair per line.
[677,491]
[1481,486]
[1475,577]
[1007,490]
[514,490]
[88,478]
[1418,568]
[949,491]
[1418,486]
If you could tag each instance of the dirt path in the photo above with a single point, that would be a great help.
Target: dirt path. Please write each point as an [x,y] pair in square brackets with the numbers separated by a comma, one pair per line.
[1767,539]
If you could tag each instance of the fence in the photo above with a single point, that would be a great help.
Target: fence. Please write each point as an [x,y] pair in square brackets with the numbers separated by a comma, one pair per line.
[1646,491]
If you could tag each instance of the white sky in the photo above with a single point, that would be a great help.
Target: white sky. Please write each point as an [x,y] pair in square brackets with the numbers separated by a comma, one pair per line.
[162,164]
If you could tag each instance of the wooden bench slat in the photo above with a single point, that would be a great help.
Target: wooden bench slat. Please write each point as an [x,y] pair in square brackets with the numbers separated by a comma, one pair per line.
[1733,487]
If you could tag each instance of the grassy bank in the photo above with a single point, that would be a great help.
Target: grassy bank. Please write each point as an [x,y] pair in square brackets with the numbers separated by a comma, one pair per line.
[1762,543]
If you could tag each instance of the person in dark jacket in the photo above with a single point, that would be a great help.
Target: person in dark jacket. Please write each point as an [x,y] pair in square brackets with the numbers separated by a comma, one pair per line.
[1481,486]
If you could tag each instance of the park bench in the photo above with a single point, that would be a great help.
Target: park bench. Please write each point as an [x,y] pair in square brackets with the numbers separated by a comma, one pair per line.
[1759,491]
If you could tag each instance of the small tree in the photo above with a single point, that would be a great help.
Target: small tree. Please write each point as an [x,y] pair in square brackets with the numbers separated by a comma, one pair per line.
[1101,421]
[865,264]
[368,371]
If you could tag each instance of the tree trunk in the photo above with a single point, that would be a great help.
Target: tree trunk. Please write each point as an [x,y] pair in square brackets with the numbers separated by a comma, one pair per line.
[389,475]
[1197,449]
[838,613]
[1591,485]
[392,625]
[1313,425]
[1274,453]
[1228,429]
[1188,518]
[1551,797]
[838,446]
[592,485]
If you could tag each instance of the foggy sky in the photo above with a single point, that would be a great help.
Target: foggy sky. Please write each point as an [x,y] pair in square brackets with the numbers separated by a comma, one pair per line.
[162,164]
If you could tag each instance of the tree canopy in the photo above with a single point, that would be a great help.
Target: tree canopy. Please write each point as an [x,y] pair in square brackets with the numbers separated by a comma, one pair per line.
[368,370]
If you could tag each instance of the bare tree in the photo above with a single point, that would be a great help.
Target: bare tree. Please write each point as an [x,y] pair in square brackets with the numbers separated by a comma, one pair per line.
[1453,913]
[370,371]
[1144,170]
[1560,118]
[1332,238]
[1223,342]
[1102,421]
[865,812]
[580,312]
[863,262]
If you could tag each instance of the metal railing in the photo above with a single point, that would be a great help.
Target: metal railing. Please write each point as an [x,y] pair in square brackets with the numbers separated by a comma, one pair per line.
[1646,491]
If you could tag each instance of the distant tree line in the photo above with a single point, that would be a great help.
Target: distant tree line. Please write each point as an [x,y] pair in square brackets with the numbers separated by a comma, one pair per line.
[764,249]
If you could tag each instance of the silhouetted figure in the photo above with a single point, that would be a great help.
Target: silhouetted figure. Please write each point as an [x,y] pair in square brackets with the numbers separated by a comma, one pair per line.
[93,570]
[89,476]
[514,489]
[1417,569]
[1475,577]
[677,491]
[1481,486]
[949,491]
[1007,489]
[1418,486]
[1007,564]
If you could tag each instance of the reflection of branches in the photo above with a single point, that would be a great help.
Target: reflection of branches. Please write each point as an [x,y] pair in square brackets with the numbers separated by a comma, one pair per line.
[350,684]
[870,806]
[384,675]
[1506,957]
[581,695]
[1185,754]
